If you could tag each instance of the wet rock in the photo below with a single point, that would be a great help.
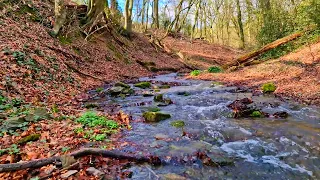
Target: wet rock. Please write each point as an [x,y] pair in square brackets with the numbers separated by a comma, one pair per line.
[155,116]
[177,124]
[154,109]
[95,172]
[183,94]
[68,174]
[32,137]
[268,88]
[162,101]
[148,94]
[281,115]
[172,176]
[121,84]
[143,85]
[165,87]
[161,136]
[118,90]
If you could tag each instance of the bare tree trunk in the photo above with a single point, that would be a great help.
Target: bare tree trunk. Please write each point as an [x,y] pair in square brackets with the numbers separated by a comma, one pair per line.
[156,13]
[195,20]
[95,8]
[147,15]
[128,15]
[241,32]
[60,16]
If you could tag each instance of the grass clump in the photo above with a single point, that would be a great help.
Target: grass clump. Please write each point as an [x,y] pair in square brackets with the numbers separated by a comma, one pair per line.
[268,88]
[91,119]
[195,73]
[214,69]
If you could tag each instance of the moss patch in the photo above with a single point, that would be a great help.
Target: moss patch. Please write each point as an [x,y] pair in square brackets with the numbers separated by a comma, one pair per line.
[268,88]
[154,109]
[32,137]
[214,69]
[121,84]
[177,124]
[155,116]
[195,73]
[256,114]
[143,85]
[158,98]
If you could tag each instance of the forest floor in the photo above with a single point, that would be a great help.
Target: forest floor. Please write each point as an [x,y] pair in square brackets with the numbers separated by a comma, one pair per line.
[297,75]
[56,74]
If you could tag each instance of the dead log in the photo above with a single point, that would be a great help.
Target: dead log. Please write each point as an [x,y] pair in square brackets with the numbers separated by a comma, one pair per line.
[80,153]
[277,43]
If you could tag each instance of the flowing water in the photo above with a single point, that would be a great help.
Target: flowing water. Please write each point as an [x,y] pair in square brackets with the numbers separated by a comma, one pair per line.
[260,148]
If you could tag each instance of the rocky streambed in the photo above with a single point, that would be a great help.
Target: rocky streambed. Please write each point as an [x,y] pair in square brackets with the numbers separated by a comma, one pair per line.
[188,124]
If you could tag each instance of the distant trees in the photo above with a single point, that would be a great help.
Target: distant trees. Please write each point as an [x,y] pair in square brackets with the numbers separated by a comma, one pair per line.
[241,23]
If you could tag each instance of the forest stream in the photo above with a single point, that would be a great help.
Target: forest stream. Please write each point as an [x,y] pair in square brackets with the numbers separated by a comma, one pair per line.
[240,148]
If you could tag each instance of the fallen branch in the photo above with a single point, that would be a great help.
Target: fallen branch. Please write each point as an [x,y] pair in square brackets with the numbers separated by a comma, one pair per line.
[82,73]
[266,48]
[80,153]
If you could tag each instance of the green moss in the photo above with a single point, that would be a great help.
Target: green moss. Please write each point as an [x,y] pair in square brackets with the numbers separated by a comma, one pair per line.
[195,73]
[32,137]
[177,124]
[64,40]
[214,69]
[155,116]
[99,89]
[143,85]
[158,98]
[256,114]
[154,109]
[121,84]
[268,88]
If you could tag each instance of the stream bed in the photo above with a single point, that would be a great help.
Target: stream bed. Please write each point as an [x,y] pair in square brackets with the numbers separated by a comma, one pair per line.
[242,148]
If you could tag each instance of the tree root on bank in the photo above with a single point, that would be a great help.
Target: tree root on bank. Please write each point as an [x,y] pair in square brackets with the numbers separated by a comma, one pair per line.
[77,154]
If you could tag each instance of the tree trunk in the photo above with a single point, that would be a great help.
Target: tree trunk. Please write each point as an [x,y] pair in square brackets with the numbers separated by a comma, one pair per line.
[113,6]
[60,16]
[195,20]
[95,8]
[156,14]
[147,15]
[266,48]
[128,15]
[241,32]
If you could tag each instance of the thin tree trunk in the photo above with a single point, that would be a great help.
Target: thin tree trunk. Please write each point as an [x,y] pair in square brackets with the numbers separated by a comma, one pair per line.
[241,32]
[156,13]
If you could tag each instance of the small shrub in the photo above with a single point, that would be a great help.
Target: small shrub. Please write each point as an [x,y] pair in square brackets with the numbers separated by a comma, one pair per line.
[214,69]
[195,73]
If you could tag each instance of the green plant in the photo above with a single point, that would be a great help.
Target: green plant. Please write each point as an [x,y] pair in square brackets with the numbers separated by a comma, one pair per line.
[13,149]
[99,89]
[195,73]
[99,137]
[91,119]
[78,130]
[214,69]
[19,57]
[65,149]
[16,102]
[256,114]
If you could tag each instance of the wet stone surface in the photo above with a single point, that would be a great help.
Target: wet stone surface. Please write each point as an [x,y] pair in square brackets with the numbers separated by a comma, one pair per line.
[242,148]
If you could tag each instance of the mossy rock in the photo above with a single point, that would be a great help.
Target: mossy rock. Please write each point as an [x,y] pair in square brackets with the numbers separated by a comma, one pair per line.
[14,123]
[195,73]
[165,87]
[32,137]
[256,114]
[155,116]
[177,124]
[268,88]
[143,85]
[121,84]
[158,98]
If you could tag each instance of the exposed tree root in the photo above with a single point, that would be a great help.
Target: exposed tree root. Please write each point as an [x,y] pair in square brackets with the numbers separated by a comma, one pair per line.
[80,153]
